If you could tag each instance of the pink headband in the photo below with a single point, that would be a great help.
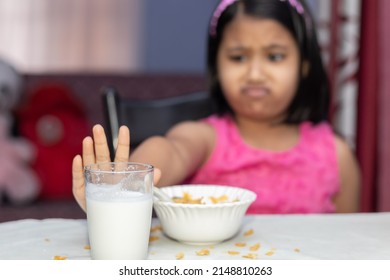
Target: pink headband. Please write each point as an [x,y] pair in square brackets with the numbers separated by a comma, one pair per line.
[225,3]
[217,13]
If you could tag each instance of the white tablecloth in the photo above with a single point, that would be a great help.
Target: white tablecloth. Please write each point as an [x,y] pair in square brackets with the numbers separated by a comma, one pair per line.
[334,236]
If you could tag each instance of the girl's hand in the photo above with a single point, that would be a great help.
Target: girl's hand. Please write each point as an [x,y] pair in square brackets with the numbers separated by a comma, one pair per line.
[95,150]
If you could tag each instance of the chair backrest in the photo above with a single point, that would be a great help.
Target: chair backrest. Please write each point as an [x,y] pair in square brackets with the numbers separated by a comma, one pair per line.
[147,118]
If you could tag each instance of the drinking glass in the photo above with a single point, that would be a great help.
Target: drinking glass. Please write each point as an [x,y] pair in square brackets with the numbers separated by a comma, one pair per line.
[119,209]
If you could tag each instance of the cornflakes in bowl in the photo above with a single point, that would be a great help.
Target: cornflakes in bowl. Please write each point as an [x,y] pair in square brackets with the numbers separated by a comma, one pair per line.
[203,214]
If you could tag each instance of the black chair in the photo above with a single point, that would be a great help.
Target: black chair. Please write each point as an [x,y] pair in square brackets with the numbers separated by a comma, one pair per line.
[147,118]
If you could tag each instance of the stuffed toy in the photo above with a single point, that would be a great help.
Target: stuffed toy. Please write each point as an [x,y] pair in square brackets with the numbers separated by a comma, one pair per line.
[55,122]
[18,182]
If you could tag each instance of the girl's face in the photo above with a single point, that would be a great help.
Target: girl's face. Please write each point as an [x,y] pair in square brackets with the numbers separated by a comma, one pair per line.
[258,68]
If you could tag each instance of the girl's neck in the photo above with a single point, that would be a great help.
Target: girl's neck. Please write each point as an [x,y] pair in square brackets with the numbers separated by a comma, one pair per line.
[250,125]
[267,135]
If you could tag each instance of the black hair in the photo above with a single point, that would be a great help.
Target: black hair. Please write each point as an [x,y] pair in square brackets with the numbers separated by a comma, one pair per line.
[311,102]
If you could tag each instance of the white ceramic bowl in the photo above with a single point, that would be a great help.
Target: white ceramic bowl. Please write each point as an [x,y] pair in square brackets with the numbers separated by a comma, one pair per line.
[202,224]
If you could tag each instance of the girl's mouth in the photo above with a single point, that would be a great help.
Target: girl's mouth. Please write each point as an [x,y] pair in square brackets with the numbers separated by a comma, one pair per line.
[255,92]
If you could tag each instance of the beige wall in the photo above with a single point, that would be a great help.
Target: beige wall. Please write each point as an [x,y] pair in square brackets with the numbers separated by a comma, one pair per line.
[71,35]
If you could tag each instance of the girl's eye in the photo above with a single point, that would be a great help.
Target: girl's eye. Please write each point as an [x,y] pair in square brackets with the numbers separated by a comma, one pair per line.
[237,58]
[276,57]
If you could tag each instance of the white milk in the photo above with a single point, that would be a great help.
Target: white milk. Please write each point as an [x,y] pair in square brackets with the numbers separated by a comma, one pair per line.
[118,223]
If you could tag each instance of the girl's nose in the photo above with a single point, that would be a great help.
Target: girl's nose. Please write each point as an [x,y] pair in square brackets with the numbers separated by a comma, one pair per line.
[256,70]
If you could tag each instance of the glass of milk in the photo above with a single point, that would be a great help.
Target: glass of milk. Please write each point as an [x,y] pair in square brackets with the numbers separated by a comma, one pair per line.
[119,209]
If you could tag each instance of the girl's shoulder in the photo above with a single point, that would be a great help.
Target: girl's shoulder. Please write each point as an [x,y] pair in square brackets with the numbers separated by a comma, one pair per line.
[325,131]
[318,139]
[320,134]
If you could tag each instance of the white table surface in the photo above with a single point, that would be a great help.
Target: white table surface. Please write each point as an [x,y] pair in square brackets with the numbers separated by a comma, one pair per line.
[333,236]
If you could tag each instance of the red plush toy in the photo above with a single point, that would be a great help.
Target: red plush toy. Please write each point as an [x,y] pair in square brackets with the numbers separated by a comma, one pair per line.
[56,123]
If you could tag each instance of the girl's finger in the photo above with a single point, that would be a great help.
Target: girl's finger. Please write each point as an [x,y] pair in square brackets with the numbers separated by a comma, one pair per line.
[78,181]
[88,151]
[123,149]
[102,153]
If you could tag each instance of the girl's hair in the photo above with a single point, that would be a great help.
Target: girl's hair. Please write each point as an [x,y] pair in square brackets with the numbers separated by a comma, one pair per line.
[311,102]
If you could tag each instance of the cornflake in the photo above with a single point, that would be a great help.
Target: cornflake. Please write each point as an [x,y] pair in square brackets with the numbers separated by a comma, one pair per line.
[180,256]
[187,199]
[233,253]
[240,244]
[270,253]
[250,256]
[203,252]
[297,250]
[249,233]
[59,258]
[156,228]
[153,238]
[87,247]
[255,247]
[221,199]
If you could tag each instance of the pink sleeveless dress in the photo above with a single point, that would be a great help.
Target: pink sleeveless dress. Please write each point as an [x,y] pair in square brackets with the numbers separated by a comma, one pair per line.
[303,179]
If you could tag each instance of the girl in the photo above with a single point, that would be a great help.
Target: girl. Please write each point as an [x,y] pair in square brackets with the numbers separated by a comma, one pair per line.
[271,133]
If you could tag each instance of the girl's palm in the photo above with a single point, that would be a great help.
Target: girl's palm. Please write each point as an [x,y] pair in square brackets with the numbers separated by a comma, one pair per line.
[95,150]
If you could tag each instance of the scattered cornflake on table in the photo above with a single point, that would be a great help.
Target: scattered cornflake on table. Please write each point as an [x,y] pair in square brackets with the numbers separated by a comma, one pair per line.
[233,253]
[249,233]
[297,250]
[270,253]
[240,244]
[47,240]
[156,228]
[250,256]
[153,238]
[87,247]
[59,258]
[180,256]
[203,252]
[255,247]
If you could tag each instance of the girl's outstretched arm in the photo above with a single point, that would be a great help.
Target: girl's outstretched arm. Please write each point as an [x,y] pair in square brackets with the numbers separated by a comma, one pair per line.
[348,199]
[178,154]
